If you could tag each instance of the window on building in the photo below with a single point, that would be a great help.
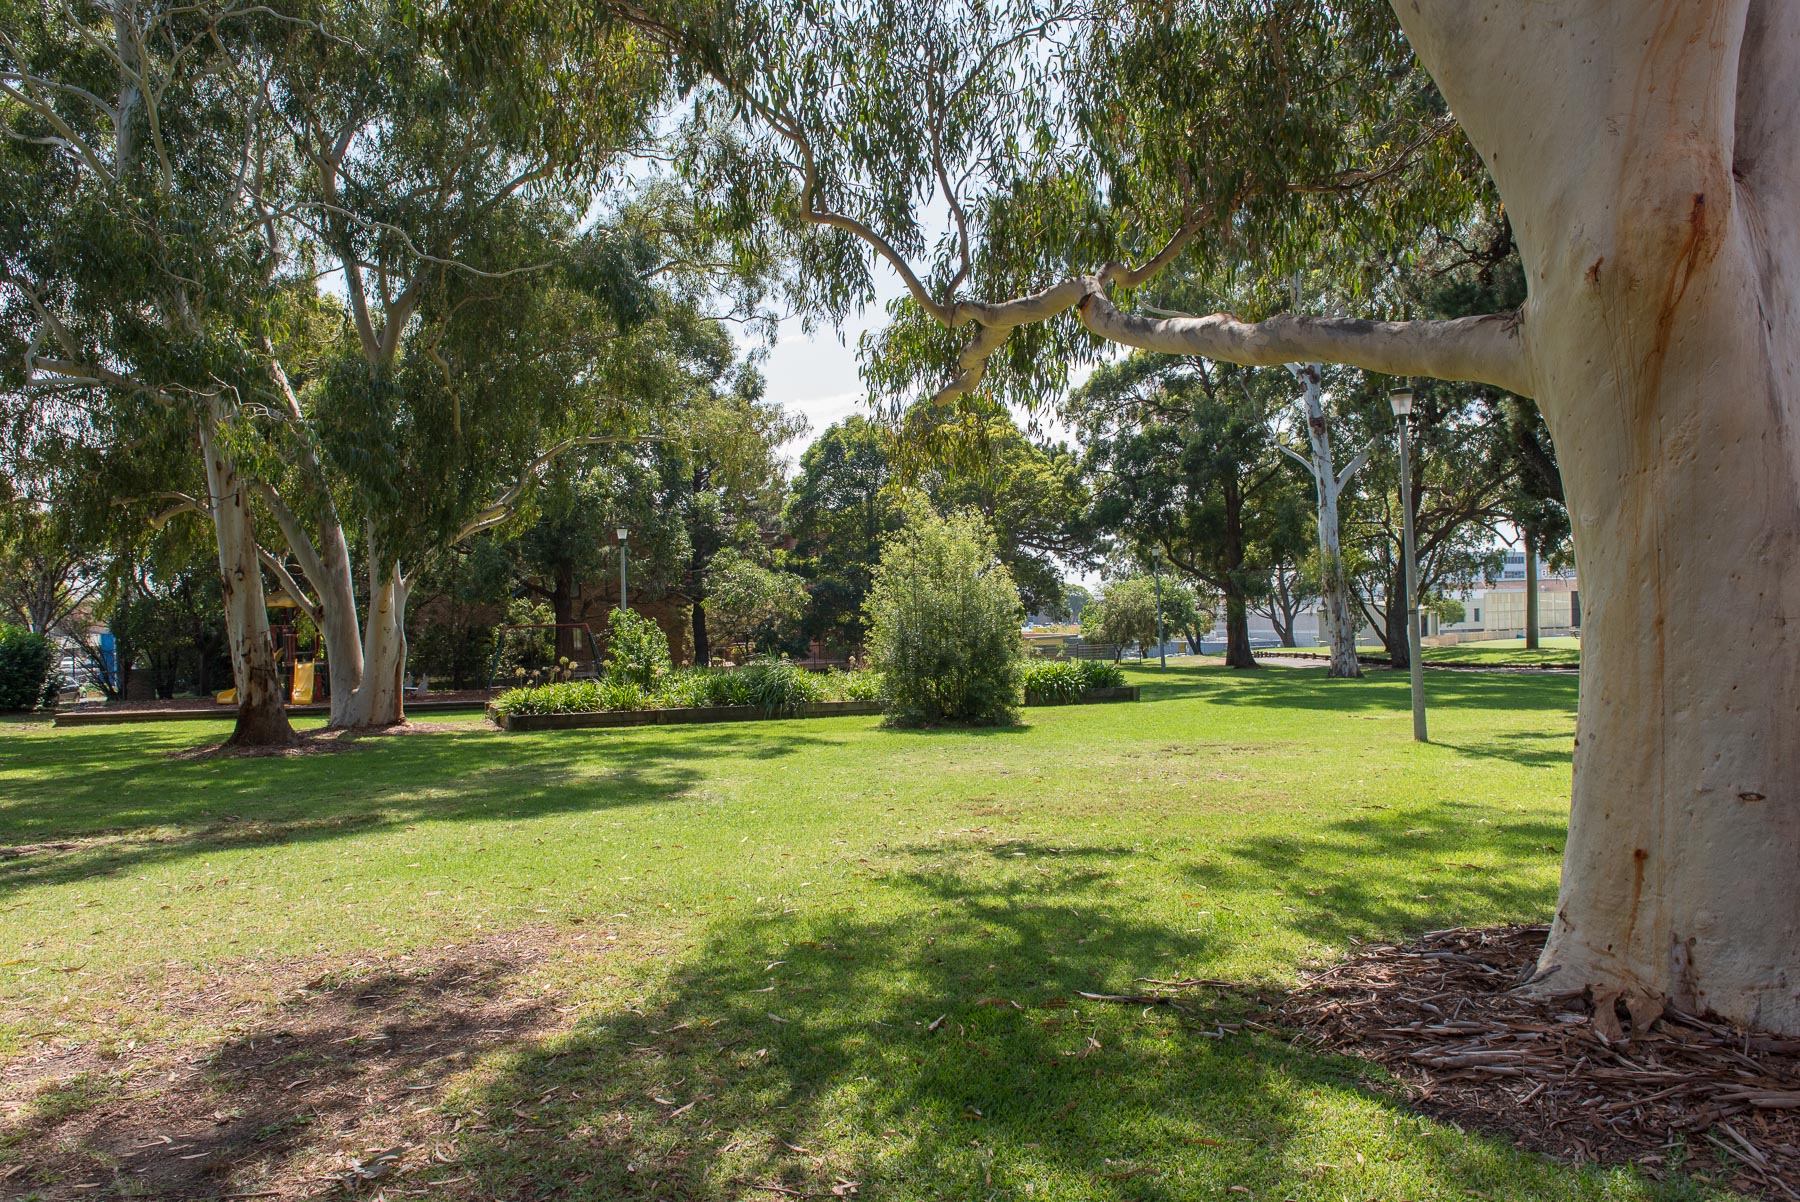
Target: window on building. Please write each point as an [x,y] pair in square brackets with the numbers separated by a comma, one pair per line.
[1478,613]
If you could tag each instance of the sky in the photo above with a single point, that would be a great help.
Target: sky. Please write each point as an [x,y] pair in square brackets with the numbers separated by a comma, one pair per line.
[815,375]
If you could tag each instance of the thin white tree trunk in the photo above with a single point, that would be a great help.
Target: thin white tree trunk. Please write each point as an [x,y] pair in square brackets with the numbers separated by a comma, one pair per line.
[1334,587]
[261,702]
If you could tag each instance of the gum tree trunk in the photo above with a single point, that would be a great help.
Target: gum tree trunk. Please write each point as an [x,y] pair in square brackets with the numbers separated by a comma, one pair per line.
[379,698]
[1660,231]
[1329,483]
[261,709]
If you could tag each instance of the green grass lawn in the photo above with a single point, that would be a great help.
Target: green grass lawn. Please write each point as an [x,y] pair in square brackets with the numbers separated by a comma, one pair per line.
[812,952]
[1499,652]
[1509,651]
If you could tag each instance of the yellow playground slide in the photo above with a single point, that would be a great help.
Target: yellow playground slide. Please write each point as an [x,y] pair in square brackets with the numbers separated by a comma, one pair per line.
[302,692]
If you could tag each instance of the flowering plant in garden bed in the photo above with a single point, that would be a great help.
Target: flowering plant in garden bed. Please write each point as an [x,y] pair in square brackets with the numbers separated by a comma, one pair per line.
[1065,682]
[773,686]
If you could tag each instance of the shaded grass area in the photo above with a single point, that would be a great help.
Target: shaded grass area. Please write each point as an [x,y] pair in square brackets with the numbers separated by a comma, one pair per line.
[1509,651]
[838,957]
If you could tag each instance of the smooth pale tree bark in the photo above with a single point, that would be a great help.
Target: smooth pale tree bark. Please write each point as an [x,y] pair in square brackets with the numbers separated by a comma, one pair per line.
[1649,157]
[1329,484]
[261,704]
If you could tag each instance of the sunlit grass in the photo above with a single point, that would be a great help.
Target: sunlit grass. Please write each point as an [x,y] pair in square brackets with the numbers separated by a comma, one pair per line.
[791,906]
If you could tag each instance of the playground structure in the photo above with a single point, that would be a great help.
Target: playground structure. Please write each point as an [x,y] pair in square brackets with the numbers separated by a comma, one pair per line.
[302,677]
[538,658]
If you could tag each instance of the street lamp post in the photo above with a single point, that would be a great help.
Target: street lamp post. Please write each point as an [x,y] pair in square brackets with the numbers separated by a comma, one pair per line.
[1162,644]
[1401,399]
[623,535]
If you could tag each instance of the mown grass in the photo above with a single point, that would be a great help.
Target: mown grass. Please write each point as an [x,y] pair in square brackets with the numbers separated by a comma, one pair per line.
[1510,652]
[849,953]
[1497,652]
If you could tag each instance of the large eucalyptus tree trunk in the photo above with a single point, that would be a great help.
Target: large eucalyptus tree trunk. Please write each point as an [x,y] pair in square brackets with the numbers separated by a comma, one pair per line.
[379,698]
[261,701]
[1660,229]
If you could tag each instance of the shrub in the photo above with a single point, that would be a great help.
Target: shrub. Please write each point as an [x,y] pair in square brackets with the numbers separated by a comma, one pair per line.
[1100,674]
[1064,682]
[1054,682]
[572,697]
[856,686]
[777,686]
[27,678]
[773,686]
[943,617]
[689,687]
[637,650]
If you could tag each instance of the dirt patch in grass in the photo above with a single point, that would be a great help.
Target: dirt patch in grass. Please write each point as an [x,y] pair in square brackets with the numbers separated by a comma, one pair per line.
[336,1085]
[20,850]
[1688,1094]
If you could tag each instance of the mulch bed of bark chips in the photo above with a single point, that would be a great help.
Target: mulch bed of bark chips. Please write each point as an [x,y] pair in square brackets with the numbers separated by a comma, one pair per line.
[1440,1015]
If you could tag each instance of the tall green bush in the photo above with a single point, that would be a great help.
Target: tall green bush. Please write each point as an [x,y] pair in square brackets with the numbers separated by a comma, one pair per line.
[637,650]
[27,678]
[943,617]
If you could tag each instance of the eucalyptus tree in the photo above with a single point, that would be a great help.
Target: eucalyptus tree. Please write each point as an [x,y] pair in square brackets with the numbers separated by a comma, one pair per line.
[1461,477]
[1647,157]
[1033,493]
[130,258]
[481,308]
[1329,483]
[1293,585]
[1534,502]
[846,498]
[751,601]
[45,572]
[729,482]
[841,505]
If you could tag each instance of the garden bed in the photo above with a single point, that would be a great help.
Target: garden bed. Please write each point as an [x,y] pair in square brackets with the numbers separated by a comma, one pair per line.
[689,714]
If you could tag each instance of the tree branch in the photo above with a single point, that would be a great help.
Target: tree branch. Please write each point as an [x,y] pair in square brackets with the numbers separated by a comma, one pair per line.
[288,584]
[1485,350]
[1350,469]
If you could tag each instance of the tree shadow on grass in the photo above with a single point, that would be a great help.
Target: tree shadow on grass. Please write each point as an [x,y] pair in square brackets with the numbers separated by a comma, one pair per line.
[1378,859]
[308,1089]
[953,1057]
[133,807]
[1311,689]
[1531,749]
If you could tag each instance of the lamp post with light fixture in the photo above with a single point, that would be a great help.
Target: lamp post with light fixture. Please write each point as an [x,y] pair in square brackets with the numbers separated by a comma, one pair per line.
[1401,400]
[623,535]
